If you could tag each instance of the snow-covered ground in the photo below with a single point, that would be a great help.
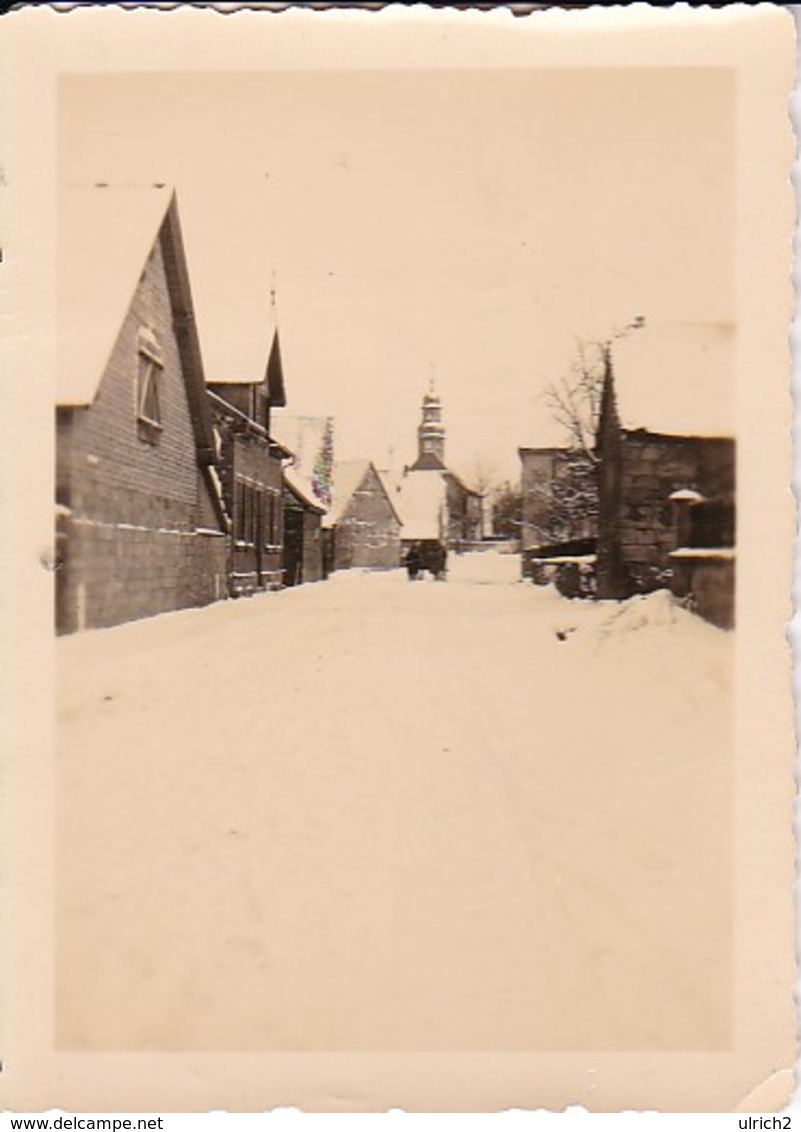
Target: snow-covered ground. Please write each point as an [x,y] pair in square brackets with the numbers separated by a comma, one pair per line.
[374,815]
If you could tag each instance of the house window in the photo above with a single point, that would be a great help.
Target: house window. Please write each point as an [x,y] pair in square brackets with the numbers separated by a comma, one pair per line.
[272,526]
[247,516]
[248,513]
[712,523]
[268,519]
[255,516]
[238,526]
[148,393]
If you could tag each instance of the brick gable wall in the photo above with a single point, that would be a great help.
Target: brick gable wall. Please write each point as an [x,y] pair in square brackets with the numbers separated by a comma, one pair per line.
[368,533]
[106,434]
[129,544]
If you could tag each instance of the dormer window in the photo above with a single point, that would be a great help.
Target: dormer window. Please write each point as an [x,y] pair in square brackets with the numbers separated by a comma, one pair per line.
[149,379]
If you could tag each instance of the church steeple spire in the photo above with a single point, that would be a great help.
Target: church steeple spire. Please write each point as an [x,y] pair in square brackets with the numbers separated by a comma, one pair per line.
[430,433]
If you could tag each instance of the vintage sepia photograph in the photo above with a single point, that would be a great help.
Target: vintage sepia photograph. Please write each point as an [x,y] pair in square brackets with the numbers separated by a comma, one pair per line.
[395,577]
[397,385]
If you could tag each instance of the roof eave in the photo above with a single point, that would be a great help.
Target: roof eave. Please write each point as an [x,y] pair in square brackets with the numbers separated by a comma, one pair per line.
[305,501]
[186,332]
[655,434]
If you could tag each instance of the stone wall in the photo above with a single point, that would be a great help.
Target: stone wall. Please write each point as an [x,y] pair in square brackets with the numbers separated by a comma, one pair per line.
[110,573]
[652,468]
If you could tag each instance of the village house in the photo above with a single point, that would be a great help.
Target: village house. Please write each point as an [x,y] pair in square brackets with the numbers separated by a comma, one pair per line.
[303,533]
[141,526]
[308,478]
[433,501]
[558,522]
[666,488]
[553,513]
[661,511]
[363,524]
[251,461]
[539,468]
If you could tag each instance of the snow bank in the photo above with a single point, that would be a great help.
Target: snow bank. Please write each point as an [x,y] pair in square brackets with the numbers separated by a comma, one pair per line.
[659,609]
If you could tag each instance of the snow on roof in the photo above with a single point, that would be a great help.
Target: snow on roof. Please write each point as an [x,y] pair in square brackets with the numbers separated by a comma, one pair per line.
[302,490]
[719,553]
[106,234]
[677,379]
[421,504]
[392,481]
[348,474]
[238,345]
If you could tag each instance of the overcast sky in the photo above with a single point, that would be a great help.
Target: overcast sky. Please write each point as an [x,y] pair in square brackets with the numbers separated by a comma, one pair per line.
[465,226]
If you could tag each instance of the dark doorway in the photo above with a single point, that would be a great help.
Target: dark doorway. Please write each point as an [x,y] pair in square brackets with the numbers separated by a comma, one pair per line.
[293,547]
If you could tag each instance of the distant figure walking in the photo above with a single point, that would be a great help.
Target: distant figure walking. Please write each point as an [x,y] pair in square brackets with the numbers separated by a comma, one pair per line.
[413,561]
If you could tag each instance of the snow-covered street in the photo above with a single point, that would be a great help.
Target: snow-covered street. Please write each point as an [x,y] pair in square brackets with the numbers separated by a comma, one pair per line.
[373,815]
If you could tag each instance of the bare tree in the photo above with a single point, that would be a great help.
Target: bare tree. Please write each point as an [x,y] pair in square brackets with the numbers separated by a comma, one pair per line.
[563,504]
[507,511]
[564,507]
[568,500]
[483,478]
[575,400]
[483,474]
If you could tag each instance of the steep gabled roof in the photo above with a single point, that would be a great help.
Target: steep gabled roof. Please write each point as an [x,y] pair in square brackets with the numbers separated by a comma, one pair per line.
[275,374]
[105,237]
[106,234]
[242,350]
[348,478]
[392,481]
[348,474]
[271,375]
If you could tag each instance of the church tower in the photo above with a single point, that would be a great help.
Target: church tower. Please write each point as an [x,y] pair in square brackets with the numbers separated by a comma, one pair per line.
[430,435]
